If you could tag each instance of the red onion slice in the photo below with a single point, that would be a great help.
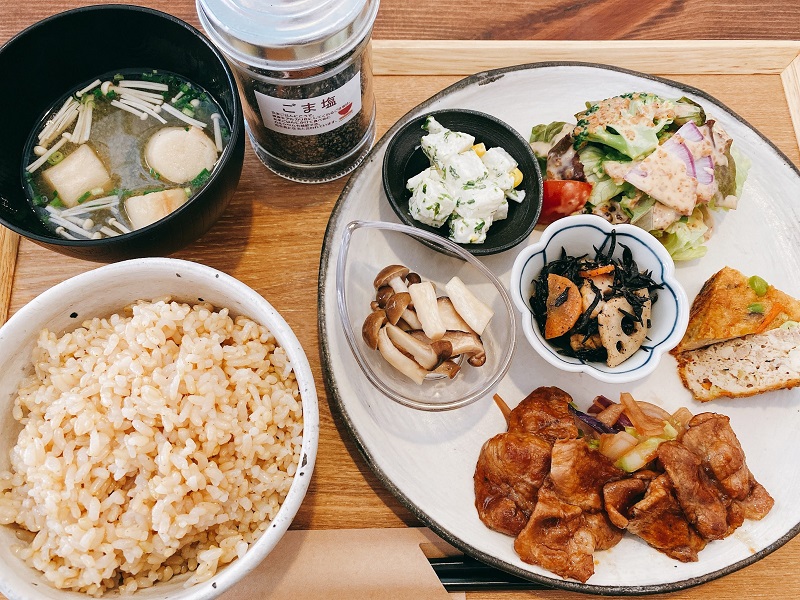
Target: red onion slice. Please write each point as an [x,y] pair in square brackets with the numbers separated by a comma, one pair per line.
[690,131]
[682,151]
[704,170]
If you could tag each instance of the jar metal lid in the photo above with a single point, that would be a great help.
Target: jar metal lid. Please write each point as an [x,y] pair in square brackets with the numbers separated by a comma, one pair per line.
[287,34]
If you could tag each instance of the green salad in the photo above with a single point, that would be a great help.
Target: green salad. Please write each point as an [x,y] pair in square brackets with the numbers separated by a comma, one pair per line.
[658,163]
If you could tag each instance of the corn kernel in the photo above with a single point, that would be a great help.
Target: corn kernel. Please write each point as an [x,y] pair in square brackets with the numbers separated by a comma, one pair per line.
[480,149]
[517,176]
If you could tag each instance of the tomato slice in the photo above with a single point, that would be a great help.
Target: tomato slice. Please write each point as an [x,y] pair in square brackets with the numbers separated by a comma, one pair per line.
[562,197]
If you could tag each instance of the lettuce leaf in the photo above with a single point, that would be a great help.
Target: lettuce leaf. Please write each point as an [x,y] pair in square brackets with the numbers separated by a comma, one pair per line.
[684,239]
[603,187]
[743,164]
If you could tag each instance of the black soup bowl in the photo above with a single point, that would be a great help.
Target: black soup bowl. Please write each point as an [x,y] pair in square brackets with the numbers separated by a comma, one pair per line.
[55,56]
[404,158]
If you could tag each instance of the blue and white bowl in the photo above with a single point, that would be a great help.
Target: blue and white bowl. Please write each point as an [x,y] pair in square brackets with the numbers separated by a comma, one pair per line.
[580,235]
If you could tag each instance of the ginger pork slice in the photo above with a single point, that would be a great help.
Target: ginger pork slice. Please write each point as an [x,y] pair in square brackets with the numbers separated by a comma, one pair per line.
[724,310]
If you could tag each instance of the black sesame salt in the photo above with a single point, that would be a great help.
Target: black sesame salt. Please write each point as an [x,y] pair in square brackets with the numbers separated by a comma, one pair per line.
[306,84]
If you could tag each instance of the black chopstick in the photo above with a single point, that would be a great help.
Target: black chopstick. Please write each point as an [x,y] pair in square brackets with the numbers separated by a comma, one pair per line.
[465,574]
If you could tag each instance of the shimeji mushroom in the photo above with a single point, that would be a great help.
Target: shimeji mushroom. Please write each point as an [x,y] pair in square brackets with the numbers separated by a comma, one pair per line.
[473,311]
[393,276]
[448,368]
[619,344]
[427,334]
[396,305]
[372,326]
[383,295]
[398,360]
[423,295]
[450,317]
[428,355]
[469,344]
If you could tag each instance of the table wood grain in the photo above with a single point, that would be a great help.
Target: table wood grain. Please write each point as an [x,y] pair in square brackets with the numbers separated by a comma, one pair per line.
[271,235]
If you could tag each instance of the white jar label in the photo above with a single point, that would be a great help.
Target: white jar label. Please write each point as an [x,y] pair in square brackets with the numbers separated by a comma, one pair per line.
[311,116]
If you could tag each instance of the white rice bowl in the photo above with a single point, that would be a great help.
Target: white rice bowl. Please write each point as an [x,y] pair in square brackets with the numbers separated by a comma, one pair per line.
[254,468]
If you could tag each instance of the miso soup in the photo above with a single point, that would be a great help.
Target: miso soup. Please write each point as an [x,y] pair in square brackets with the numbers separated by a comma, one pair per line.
[122,152]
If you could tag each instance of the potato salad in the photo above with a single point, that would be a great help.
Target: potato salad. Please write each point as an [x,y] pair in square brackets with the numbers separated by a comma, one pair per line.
[467,185]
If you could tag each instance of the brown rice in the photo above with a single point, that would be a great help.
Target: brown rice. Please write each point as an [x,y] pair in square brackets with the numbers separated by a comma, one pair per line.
[154,442]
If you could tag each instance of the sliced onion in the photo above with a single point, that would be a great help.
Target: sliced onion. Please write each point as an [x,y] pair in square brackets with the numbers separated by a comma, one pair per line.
[682,151]
[691,132]
[589,420]
[681,417]
[615,445]
[653,410]
[704,170]
[644,423]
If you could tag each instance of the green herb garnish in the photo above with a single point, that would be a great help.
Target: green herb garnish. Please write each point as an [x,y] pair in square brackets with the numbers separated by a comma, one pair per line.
[201,178]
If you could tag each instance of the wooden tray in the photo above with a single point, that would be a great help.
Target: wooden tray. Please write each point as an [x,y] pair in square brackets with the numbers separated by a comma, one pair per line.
[271,238]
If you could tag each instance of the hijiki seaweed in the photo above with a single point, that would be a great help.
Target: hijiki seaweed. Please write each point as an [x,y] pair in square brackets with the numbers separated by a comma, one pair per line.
[627,281]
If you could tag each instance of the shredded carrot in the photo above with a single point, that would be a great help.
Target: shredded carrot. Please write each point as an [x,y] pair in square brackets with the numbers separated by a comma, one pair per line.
[598,271]
[776,309]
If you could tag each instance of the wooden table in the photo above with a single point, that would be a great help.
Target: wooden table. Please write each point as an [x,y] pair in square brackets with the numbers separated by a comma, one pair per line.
[247,242]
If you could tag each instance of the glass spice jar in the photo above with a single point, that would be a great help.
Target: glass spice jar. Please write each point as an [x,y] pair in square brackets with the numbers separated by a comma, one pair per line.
[304,72]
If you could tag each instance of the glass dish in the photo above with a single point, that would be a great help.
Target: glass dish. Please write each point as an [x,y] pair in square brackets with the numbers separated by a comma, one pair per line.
[369,246]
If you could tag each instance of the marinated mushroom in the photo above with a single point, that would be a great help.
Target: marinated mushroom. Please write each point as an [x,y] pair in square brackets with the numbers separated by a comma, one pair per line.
[372,325]
[394,277]
[383,295]
[473,311]
[427,355]
[450,317]
[396,305]
[448,368]
[398,360]
[423,295]
[420,334]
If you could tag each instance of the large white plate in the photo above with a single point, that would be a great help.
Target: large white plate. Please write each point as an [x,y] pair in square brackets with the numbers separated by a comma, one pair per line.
[427,459]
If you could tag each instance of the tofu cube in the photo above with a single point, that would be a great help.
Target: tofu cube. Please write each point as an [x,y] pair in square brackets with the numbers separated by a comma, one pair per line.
[146,210]
[79,172]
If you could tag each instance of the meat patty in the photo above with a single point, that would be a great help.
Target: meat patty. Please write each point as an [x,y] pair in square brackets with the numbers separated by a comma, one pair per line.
[545,412]
[510,470]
